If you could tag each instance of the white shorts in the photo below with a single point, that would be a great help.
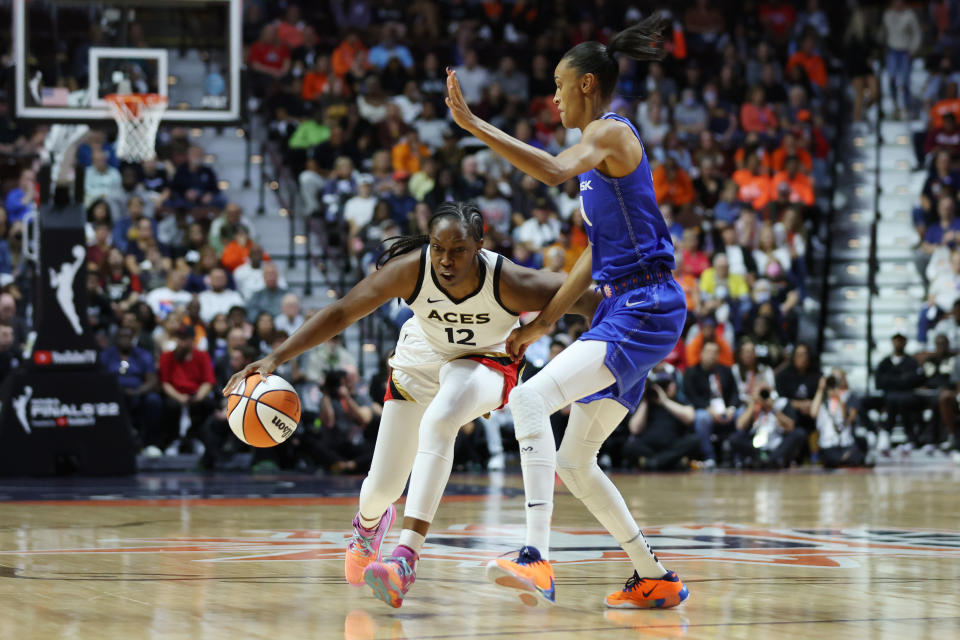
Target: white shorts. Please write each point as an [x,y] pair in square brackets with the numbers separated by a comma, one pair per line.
[416,365]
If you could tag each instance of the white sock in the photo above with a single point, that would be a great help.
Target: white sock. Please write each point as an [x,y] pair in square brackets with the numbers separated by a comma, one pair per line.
[538,461]
[642,557]
[412,539]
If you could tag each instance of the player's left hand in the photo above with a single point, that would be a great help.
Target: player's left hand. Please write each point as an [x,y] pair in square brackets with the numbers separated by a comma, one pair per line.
[457,103]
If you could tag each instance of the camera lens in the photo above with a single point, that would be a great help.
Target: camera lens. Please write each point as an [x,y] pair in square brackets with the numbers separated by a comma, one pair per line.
[765,394]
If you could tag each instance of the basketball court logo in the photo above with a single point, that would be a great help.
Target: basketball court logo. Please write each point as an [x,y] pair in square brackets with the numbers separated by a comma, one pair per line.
[473,545]
[62,282]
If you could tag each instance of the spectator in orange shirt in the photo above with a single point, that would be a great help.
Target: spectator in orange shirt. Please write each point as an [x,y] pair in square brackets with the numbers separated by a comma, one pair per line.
[672,184]
[753,183]
[757,116]
[807,57]
[235,253]
[790,149]
[565,243]
[949,104]
[688,282]
[316,81]
[409,153]
[344,54]
[798,183]
[708,333]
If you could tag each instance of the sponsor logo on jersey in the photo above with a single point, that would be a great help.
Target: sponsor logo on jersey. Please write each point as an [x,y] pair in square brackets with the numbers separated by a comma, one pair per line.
[453,317]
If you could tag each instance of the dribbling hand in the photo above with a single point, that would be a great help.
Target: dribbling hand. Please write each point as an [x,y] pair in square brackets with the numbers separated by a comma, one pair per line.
[263,368]
[457,103]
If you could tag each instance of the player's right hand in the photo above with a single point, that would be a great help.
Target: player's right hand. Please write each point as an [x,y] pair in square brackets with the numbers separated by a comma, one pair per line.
[263,368]
[522,337]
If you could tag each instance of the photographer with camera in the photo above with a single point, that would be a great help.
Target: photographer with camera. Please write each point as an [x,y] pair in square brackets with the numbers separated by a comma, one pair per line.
[661,437]
[710,388]
[837,445]
[344,442]
[766,435]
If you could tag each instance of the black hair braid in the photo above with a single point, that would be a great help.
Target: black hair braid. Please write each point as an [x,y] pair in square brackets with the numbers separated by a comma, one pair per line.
[642,41]
[466,213]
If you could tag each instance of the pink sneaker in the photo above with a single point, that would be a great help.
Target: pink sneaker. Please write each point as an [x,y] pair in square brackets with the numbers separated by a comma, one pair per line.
[391,579]
[364,549]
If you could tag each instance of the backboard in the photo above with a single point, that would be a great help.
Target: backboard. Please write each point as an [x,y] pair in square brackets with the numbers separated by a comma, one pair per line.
[70,54]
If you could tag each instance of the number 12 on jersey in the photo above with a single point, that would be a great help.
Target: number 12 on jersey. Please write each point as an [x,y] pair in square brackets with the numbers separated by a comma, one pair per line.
[466,336]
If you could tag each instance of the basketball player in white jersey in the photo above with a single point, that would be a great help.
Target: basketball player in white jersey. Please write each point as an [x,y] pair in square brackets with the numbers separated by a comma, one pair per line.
[450,367]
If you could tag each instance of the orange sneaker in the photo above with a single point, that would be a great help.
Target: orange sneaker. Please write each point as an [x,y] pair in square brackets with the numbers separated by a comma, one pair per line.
[649,593]
[362,550]
[528,573]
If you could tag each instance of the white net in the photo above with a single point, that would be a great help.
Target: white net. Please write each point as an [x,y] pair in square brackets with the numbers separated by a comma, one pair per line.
[138,118]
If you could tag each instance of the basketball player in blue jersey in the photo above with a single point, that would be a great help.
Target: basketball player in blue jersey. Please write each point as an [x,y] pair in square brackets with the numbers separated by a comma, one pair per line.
[637,324]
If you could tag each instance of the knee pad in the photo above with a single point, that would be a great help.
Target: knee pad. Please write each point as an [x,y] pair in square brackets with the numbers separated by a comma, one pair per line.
[529,412]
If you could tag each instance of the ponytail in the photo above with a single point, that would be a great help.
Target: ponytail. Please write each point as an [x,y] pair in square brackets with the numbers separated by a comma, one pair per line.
[642,41]
[466,213]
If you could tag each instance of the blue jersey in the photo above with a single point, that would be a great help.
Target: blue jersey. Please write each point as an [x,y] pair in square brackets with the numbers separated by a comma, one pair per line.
[623,221]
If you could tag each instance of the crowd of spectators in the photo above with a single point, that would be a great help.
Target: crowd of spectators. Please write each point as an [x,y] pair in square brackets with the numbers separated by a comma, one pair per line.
[735,126]
[921,389]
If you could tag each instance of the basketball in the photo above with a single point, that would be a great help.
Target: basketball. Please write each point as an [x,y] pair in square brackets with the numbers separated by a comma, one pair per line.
[263,412]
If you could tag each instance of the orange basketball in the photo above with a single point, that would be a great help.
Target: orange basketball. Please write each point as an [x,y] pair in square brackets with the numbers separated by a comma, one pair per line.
[263,412]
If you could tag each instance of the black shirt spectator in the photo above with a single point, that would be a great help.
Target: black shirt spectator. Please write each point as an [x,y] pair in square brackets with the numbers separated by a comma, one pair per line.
[701,382]
[798,383]
[661,434]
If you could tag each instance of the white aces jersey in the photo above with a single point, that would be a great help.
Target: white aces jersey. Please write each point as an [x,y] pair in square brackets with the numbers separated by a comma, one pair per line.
[478,323]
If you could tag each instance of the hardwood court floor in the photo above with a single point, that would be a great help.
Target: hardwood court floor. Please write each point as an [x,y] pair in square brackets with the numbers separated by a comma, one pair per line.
[792,555]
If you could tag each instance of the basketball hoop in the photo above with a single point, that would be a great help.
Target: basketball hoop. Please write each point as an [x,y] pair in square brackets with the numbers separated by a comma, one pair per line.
[138,118]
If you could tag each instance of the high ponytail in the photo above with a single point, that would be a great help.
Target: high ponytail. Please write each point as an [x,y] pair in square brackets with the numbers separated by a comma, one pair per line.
[641,41]
[466,213]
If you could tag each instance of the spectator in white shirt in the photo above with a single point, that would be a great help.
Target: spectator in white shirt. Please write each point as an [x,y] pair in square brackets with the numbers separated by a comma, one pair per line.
[542,229]
[473,78]
[171,297]
[358,210]
[249,276]
[429,127]
[290,317]
[568,202]
[101,181]
[218,299]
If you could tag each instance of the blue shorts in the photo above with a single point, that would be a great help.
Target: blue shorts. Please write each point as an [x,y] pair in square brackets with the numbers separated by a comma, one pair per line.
[641,327]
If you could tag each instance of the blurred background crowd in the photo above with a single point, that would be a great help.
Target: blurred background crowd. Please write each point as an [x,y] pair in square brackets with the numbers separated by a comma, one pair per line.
[740,142]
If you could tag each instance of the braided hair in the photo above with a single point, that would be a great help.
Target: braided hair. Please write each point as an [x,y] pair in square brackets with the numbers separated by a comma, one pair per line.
[642,41]
[466,213]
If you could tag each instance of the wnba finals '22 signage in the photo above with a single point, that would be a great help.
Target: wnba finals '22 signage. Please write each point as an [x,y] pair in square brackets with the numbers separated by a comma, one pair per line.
[36,412]
[61,413]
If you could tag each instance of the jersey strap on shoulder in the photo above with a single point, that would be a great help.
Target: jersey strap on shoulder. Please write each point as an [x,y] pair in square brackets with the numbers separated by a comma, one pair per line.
[420,275]
[496,286]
